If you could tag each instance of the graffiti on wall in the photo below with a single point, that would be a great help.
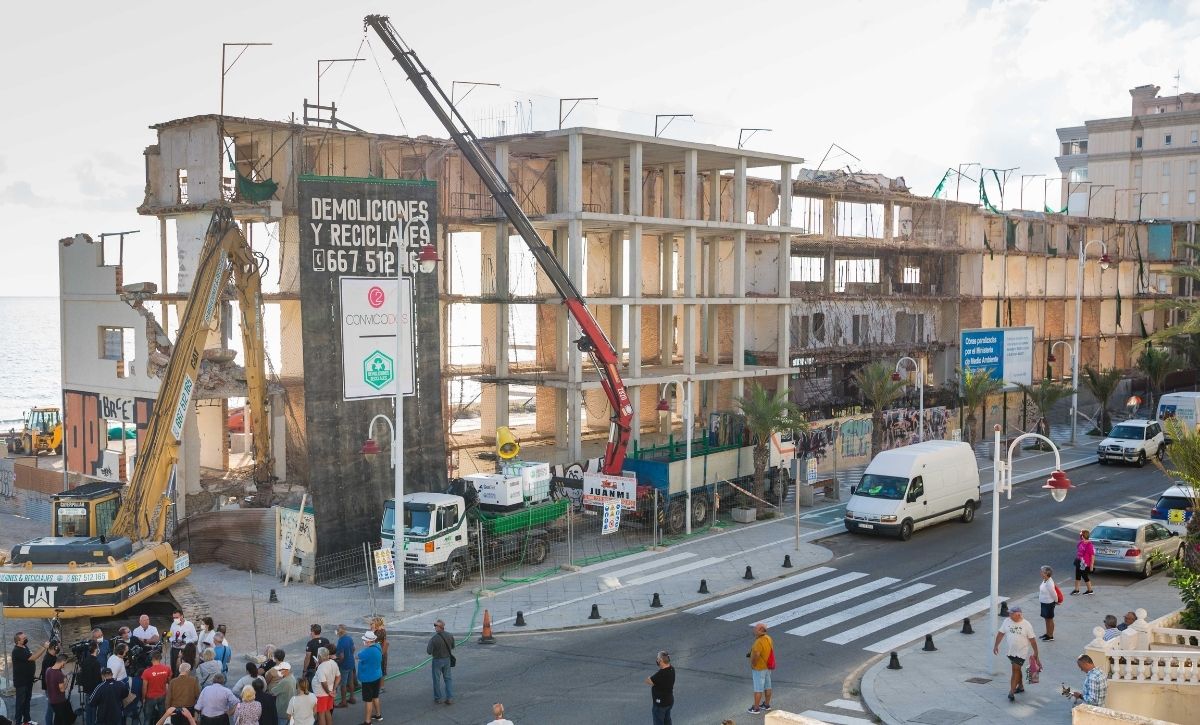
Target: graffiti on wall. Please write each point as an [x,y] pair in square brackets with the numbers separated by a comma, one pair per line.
[900,426]
[86,429]
[573,472]
[847,441]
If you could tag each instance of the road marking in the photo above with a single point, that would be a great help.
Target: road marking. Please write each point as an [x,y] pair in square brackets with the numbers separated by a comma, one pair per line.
[836,719]
[649,565]
[847,594]
[846,705]
[864,608]
[897,616]
[791,597]
[750,593]
[671,572]
[613,562]
[918,632]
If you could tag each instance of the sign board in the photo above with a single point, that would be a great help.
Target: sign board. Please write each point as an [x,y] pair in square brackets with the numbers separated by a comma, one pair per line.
[1006,353]
[599,488]
[812,470]
[373,311]
[385,567]
[612,517]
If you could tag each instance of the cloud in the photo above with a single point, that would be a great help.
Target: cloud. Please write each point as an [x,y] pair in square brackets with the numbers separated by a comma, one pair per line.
[3,165]
[20,193]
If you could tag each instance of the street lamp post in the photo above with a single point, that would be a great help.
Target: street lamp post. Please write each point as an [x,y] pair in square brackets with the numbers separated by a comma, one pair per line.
[1105,262]
[1058,484]
[687,432]
[1050,358]
[919,370]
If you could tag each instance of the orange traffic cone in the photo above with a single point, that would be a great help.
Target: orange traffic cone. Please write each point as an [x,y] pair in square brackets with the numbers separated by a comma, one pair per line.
[486,637]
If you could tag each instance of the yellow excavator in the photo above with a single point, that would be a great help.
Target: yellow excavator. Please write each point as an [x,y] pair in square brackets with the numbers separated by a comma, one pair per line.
[41,432]
[107,551]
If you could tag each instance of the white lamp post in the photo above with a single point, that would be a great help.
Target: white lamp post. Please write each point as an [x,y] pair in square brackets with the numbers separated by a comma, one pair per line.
[663,405]
[919,370]
[1058,484]
[1105,263]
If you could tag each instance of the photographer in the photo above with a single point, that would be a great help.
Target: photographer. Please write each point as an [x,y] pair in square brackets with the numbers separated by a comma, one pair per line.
[24,665]
[88,675]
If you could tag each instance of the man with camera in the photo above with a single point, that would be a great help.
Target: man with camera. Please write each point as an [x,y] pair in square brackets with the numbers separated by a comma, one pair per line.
[24,665]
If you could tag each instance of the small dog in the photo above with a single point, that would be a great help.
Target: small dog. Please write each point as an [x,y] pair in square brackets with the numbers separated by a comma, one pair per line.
[1066,690]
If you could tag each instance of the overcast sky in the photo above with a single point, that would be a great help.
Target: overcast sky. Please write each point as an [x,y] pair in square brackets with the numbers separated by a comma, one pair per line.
[909,88]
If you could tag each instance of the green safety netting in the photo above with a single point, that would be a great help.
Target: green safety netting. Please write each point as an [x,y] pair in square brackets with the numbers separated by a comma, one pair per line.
[1046,208]
[983,197]
[255,191]
[937,193]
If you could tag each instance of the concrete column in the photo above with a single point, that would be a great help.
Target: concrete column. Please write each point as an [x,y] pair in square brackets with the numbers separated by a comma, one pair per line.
[575,256]
[617,167]
[889,211]
[666,319]
[739,191]
[496,414]
[616,275]
[714,195]
[712,327]
[739,274]
[783,278]
[669,208]
[635,182]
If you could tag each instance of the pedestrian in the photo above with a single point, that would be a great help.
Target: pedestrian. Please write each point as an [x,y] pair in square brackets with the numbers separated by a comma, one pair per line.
[222,652]
[1048,599]
[184,689]
[48,661]
[1085,561]
[108,700]
[216,703]
[116,663]
[248,678]
[24,665]
[209,668]
[498,715]
[344,654]
[88,676]
[155,679]
[206,635]
[248,711]
[56,692]
[273,674]
[1110,627]
[441,649]
[182,633]
[380,630]
[104,649]
[662,689]
[315,643]
[270,711]
[1020,639]
[370,675]
[1129,618]
[284,688]
[301,709]
[145,632]
[1095,686]
[325,682]
[176,716]
[762,662]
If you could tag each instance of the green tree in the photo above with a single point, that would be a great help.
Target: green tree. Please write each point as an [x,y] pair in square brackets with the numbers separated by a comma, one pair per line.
[1185,468]
[1102,384]
[1156,364]
[1043,396]
[977,387]
[878,391]
[767,414]
[1187,330]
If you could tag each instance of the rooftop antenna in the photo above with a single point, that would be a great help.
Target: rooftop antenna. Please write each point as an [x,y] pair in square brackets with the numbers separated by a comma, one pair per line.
[743,141]
[472,85]
[829,150]
[328,63]
[1177,73]
[563,116]
[670,117]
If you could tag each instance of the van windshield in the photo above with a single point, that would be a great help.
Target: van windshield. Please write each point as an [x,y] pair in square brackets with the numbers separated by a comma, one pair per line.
[874,485]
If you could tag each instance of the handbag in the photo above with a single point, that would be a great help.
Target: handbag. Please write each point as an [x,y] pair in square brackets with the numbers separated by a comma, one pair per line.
[1058,594]
[1035,670]
[771,659]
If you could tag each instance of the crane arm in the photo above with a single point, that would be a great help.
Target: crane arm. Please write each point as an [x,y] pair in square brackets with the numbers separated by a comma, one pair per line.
[593,340]
[225,254]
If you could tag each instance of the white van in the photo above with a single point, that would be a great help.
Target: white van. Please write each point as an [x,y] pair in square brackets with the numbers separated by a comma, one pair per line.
[908,488]
[1184,407]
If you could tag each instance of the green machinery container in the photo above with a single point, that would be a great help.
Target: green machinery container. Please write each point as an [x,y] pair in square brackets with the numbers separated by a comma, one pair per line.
[532,517]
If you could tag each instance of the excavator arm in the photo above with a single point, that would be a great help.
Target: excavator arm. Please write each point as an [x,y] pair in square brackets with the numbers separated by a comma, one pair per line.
[225,255]
[593,340]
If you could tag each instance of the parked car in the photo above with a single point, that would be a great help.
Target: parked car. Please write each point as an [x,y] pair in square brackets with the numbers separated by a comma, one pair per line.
[1129,545]
[1175,507]
[1133,441]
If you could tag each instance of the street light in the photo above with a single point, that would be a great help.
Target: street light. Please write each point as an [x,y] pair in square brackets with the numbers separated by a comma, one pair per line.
[427,258]
[1050,358]
[918,369]
[370,449]
[663,406]
[1105,263]
[1058,484]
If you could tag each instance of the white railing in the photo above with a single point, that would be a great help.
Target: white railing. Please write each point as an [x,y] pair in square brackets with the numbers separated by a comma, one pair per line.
[1162,638]
[1177,668]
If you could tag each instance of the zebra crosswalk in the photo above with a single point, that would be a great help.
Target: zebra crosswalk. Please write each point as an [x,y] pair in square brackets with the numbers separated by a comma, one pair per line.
[873,614]
[840,718]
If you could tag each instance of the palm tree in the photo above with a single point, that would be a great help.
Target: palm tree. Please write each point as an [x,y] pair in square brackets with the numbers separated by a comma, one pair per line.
[878,390]
[1185,468]
[1156,364]
[767,414]
[1102,384]
[977,386]
[1043,396]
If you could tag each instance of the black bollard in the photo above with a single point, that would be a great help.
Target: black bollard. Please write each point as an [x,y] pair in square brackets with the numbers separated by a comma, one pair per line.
[894,662]
[274,598]
[520,619]
[595,612]
[1004,608]
[967,629]
[656,602]
[749,573]
[787,561]
[703,587]
[929,644]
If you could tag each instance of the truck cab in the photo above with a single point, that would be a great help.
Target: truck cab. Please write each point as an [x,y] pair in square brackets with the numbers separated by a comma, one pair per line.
[436,537]
[88,510]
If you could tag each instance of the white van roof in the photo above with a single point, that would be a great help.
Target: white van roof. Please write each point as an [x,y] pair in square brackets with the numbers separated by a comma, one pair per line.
[908,456]
[1186,395]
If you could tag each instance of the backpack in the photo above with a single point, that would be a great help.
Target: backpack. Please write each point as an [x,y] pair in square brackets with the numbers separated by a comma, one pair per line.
[1058,594]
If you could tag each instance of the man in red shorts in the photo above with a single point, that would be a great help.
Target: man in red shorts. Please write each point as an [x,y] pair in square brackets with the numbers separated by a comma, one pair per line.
[326,680]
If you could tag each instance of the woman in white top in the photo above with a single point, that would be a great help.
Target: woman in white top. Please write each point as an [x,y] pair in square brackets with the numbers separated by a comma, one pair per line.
[1048,598]
[302,707]
[208,632]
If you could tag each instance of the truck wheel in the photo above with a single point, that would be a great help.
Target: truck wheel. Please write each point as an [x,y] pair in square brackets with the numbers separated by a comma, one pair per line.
[675,520]
[1141,459]
[699,511]
[456,574]
[537,551]
[968,514]
[906,530]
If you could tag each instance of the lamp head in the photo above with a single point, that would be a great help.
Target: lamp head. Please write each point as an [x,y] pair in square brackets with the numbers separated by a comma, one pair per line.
[1058,484]
[1105,261]
[427,258]
[663,406]
[1051,358]
[895,377]
[370,449]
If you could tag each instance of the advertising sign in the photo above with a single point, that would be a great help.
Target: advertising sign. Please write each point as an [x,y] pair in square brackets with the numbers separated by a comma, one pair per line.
[385,567]
[599,489]
[612,518]
[1006,353]
[372,312]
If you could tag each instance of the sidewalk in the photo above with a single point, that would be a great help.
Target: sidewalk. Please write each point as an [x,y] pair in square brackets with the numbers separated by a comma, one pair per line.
[953,685]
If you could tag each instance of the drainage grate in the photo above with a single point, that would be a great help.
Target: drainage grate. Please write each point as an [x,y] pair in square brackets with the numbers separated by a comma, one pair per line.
[942,717]
[978,680]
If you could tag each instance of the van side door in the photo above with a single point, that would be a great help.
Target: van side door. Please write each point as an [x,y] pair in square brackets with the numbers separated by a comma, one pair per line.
[916,502]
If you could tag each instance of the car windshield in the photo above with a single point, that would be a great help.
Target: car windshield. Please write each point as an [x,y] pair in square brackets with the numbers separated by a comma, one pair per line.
[1127,433]
[874,485]
[1114,533]
[1166,503]
[417,520]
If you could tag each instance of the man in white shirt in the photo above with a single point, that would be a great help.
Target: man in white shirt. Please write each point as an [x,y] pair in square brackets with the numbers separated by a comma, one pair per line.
[498,715]
[116,663]
[1020,639]
[182,634]
[146,632]
[326,683]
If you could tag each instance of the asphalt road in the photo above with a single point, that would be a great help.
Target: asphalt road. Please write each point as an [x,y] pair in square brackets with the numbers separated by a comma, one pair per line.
[595,675]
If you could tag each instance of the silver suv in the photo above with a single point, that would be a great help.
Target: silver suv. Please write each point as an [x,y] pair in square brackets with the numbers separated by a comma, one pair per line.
[1133,441]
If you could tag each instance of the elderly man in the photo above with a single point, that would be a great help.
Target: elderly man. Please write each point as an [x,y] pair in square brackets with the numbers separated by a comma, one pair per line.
[1130,618]
[216,703]
[762,661]
[284,688]
[146,632]
[326,681]
[183,690]
[1020,640]
[1110,627]
[440,651]
[1095,686]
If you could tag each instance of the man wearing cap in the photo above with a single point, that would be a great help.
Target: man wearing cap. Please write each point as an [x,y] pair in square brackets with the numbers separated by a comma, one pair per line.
[1020,639]
[284,688]
[370,676]
[108,699]
[440,652]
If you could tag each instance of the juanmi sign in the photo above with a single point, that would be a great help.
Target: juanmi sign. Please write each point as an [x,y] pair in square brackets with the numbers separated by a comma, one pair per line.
[374,310]
[1006,353]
